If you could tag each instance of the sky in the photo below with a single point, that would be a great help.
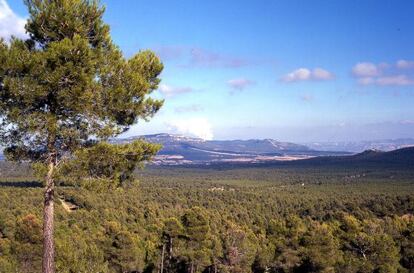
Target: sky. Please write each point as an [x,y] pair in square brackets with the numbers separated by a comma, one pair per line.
[299,71]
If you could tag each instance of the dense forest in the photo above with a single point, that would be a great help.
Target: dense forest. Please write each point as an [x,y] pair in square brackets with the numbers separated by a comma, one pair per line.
[269,219]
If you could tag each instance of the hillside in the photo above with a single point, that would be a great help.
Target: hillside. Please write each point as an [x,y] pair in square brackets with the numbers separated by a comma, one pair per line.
[309,215]
[403,158]
[182,150]
[179,150]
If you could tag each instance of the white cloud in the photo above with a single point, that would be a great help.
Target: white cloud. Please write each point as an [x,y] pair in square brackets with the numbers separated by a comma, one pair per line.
[383,74]
[395,80]
[366,80]
[240,83]
[365,70]
[198,127]
[170,91]
[392,80]
[196,57]
[301,74]
[10,23]
[305,74]
[321,74]
[404,64]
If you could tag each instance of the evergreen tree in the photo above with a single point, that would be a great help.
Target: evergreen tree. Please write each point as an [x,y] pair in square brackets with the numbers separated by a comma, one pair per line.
[68,87]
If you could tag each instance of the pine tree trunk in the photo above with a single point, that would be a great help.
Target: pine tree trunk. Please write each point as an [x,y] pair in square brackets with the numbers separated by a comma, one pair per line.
[170,251]
[162,258]
[48,265]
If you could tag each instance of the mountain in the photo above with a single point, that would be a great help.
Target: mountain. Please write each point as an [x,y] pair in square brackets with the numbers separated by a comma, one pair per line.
[179,149]
[397,160]
[182,150]
[402,158]
[360,146]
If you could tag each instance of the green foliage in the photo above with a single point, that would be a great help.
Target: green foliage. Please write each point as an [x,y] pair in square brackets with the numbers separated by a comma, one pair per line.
[123,250]
[62,92]
[28,242]
[110,165]
[195,224]
[320,248]
[271,224]
[173,228]
[68,86]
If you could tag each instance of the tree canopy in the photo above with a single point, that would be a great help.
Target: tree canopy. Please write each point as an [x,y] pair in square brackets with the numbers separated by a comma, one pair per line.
[68,85]
[67,88]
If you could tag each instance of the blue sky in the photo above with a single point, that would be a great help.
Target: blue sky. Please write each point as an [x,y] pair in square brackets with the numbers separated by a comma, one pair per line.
[289,70]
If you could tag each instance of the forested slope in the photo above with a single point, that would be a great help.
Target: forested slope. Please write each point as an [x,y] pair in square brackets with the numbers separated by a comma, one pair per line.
[273,219]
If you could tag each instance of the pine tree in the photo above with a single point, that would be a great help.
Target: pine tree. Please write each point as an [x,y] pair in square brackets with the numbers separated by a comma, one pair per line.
[68,87]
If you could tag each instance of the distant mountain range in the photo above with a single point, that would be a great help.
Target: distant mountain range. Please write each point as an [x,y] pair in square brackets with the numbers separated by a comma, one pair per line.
[400,158]
[178,150]
[181,150]
[360,146]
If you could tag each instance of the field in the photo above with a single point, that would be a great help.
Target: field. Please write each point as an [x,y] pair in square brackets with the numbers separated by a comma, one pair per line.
[286,218]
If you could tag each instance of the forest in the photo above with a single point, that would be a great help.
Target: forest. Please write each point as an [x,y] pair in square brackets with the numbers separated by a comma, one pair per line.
[217,219]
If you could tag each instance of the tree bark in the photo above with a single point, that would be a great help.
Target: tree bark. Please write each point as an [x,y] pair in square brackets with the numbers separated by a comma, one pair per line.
[170,249]
[162,258]
[48,263]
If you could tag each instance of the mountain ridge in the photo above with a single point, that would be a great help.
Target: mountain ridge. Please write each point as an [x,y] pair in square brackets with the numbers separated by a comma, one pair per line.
[186,150]
[363,145]
[179,149]
[403,157]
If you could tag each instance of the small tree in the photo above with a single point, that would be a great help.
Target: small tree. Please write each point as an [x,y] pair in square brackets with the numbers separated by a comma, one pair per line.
[68,87]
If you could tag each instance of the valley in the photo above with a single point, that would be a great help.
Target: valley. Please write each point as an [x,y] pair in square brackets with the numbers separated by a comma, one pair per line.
[181,150]
[298,216]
